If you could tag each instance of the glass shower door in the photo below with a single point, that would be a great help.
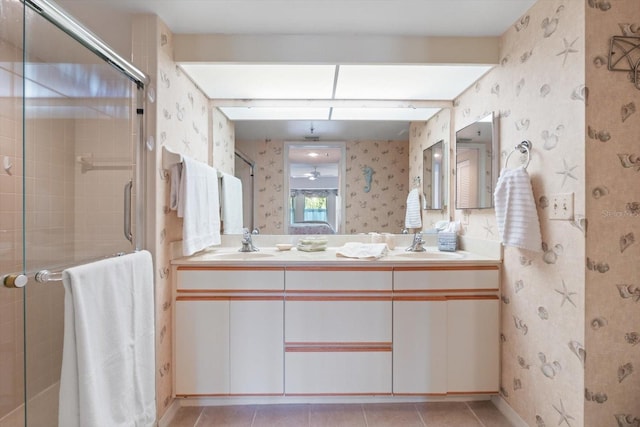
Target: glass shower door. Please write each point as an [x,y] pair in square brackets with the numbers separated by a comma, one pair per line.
[11,300]
[78,167]
[69,140]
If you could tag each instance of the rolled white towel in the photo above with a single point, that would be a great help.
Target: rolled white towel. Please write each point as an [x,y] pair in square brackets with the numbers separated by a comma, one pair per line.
[413,216]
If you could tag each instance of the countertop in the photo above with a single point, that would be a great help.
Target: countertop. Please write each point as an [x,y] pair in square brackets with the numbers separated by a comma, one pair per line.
[272,257]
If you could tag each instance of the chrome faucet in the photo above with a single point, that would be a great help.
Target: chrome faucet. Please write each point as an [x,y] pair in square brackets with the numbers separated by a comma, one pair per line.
[416,245]
[247,242]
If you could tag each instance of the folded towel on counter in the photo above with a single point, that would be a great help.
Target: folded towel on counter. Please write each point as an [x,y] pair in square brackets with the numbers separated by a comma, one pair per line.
[108,375]
[231,201]
[516,212]
[199,206]
[362,250]
[413,216]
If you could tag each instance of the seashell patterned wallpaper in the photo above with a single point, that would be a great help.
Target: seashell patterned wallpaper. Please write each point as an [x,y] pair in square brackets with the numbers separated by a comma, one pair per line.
[579,295]
[612,380]
[538,90]
[423,135]
[380,209]
[177,117]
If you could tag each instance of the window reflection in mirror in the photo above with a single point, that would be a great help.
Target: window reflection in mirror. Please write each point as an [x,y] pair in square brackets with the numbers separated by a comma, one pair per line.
[476,167]
[314,187]
[434,167]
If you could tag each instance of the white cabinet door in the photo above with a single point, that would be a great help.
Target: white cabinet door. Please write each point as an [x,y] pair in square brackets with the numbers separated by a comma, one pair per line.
[256,347]
[420,346]
[201,347]
[473,345]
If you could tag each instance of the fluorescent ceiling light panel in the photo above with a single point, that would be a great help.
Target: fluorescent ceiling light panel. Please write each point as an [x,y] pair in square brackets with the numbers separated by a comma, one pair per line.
[275,113]
[406,81]
[263,81]
[387,114]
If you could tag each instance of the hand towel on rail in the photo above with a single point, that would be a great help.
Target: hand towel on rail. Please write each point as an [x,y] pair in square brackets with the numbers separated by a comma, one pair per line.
[108,375]
[199,206]
[231,201]
[413,216]
[516,212]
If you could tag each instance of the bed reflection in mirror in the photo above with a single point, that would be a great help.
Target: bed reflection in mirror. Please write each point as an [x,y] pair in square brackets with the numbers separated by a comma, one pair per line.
[315,188]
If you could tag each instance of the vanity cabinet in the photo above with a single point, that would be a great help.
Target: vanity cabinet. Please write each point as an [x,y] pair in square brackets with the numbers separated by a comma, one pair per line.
[229,331]
[446,330]
[338,333]
[336,330]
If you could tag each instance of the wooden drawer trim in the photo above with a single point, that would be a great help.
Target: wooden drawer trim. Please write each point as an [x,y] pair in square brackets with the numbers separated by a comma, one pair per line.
[226,268]
[337,347]
[443,290]
[364,393]
[337,298]
[462,393]
[230,291]
[447,268]
[329,269]
[295,292]
[444,298]
[471,297]
[230,298]
[419,298]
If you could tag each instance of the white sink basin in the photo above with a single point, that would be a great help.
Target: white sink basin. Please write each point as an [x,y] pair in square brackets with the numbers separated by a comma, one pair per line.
[430,255]
[242,256]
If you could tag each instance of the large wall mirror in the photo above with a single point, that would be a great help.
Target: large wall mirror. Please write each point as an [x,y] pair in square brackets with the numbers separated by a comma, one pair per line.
[434,177]
[314,188]
[476,163]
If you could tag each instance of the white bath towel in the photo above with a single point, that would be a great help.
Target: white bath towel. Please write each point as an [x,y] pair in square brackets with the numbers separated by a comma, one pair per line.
[516,213]
[176,174]
[362,250]
[199,206]
[413,216]
[108,359]
[231,201]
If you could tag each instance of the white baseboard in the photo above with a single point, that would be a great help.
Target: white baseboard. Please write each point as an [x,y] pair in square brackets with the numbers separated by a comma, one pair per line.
[169,414]
[508,412]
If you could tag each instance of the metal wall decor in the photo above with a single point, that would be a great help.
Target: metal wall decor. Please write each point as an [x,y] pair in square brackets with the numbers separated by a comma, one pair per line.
[624,55]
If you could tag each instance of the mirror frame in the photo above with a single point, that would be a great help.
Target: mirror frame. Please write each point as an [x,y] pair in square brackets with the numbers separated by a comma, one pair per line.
[495,167]
[342,169]
[431,203]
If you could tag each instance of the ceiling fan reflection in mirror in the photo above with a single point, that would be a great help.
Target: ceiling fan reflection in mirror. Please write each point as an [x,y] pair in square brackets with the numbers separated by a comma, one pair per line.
[313,175]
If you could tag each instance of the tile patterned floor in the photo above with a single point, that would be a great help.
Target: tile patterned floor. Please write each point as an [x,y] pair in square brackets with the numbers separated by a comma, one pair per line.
[430,414]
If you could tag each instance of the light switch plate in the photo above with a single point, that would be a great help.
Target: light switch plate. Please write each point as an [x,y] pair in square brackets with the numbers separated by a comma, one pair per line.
[561,206]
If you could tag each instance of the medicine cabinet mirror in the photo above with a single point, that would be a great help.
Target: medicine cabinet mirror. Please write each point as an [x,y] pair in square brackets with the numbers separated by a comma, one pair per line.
[476,163]
[435,184]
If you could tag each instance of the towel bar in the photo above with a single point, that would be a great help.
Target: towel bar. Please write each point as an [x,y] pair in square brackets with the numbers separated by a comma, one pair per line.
[523,147]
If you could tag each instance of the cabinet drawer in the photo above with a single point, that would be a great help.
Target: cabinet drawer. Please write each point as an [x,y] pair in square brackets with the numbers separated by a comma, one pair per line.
[338,373]
[230,279]
[347,320]
[442,279]
[346,279]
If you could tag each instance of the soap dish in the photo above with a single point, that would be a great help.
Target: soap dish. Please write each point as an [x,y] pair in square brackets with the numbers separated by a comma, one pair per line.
[284,246]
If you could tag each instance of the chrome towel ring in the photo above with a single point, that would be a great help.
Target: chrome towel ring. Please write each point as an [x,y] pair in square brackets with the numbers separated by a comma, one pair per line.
[523,147]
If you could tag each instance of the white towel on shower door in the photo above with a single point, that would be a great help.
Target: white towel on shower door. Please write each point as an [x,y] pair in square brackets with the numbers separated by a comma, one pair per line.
[516,212]
[108,357]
